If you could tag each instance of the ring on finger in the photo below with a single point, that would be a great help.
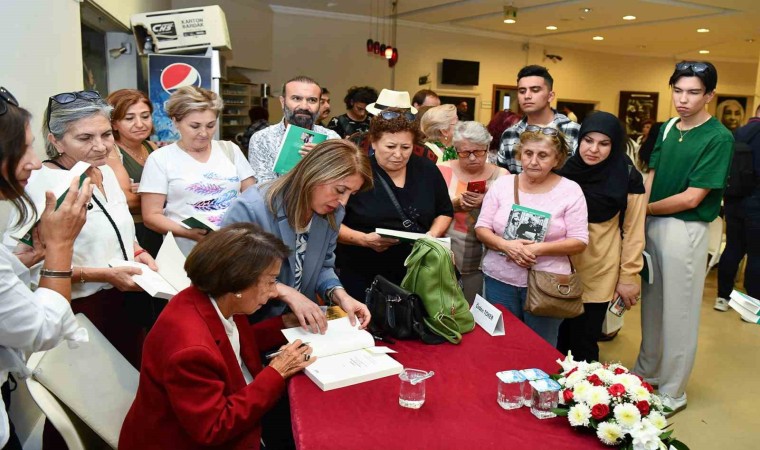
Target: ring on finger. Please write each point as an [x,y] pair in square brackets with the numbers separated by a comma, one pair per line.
[306,357]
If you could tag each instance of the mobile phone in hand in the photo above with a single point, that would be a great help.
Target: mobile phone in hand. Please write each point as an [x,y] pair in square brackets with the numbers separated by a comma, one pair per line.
[478,187]
[618,307]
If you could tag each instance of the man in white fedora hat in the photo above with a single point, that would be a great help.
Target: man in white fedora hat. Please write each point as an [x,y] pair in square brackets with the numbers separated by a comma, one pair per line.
[391,99]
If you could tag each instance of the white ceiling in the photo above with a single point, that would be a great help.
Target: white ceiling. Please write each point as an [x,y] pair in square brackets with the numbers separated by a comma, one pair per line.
[661,28]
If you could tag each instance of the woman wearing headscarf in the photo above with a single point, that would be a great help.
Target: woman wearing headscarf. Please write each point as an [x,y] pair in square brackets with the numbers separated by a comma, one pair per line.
[609,267]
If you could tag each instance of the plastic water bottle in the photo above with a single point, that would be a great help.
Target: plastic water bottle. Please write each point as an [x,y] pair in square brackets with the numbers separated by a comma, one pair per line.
[148,46]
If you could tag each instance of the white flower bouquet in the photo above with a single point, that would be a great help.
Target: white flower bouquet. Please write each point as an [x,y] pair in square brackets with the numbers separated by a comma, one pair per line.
[616,404]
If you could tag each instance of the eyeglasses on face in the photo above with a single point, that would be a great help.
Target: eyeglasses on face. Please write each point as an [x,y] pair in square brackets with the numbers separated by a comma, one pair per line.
[390,115]
[466,154]
[6,98]
[548,131]
[696,67]
[65,98]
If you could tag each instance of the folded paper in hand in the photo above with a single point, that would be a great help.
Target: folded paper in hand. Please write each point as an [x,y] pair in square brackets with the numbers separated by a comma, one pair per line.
[170,277]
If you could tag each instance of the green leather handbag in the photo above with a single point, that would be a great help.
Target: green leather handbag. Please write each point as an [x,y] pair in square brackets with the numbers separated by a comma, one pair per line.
[430,274]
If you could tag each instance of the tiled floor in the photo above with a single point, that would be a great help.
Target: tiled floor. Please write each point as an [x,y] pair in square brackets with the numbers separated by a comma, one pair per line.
[724,389]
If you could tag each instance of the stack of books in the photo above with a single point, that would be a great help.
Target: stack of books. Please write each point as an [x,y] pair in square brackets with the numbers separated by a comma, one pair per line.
[747,307]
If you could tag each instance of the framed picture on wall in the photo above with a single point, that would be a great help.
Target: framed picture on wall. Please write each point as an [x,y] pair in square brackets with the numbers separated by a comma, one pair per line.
[576,110]
[636,108]
[731,110]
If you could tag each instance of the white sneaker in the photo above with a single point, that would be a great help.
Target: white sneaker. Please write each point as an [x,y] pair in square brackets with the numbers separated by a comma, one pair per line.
[721,304]
[674,403]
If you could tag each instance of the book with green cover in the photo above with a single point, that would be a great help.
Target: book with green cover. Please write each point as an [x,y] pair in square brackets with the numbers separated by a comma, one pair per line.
[288,154]
[526,223]
[199,223]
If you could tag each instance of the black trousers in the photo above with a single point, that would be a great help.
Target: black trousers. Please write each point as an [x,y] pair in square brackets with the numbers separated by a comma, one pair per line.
[13,441]
[580,334]
[742,238]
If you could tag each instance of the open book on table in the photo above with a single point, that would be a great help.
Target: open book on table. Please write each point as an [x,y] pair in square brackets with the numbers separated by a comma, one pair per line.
[36,191]
[408,236]
[347,355]
[170,277]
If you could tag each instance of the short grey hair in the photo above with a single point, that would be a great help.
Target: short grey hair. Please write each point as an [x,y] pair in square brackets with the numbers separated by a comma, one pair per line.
[62,116]
[473,132]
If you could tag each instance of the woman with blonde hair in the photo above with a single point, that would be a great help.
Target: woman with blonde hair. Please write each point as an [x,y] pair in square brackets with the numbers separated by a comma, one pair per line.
[196,176]
[305,208]
[438,127]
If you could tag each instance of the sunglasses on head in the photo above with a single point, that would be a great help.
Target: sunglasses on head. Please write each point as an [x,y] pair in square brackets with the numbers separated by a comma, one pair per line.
[696,67]
[548,131]
[65,98]
[6,98]
[390,115]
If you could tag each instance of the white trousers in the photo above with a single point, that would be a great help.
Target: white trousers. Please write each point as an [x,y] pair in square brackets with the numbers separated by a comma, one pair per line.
[670,306]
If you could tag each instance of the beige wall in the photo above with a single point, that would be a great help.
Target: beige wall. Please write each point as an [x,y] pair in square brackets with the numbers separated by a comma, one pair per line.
[331,51]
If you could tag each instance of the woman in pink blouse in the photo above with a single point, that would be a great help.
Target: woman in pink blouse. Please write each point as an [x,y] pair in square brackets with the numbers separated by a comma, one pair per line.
[506,264]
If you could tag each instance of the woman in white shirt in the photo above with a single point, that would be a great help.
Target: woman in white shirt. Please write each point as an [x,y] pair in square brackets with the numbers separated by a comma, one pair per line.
[39,320]
[196,176]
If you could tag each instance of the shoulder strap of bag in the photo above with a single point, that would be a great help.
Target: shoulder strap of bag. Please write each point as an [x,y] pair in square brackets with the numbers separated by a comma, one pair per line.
[669,125]
[228,150]
[404,219]
[517,189]
[449,332]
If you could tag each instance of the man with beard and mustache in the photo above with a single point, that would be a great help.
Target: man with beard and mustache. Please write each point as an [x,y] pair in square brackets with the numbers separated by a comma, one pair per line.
[300,106]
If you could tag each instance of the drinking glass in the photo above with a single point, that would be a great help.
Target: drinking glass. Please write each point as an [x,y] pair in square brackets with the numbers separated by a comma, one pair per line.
[411,395]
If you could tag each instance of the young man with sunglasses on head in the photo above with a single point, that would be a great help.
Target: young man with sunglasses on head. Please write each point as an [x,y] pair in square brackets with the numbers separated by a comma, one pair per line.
[300,107]
[688,170]
[534,94]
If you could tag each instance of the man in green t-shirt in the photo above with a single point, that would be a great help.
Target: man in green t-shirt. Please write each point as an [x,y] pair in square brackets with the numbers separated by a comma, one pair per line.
[689,167]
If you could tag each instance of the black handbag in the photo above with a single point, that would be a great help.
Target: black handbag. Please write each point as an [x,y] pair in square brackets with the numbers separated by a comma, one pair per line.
[397,313]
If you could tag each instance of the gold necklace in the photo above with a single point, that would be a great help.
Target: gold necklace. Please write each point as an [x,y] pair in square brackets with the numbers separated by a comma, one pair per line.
[680,139]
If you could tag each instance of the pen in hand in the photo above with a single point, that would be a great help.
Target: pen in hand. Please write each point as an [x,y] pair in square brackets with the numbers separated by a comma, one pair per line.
[275,354]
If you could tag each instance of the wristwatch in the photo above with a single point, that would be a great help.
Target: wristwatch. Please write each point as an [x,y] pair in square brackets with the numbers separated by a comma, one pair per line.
[329,293]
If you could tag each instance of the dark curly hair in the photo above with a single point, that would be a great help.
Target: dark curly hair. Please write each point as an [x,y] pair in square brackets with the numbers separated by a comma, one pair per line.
[379,126]
[360,94]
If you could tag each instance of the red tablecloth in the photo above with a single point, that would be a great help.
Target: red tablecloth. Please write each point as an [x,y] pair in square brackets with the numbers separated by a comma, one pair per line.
[460,410]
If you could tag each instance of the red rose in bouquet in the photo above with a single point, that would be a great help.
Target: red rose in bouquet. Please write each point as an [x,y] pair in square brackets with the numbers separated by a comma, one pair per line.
[616,390]
[643,407]
[600,411]
[619,371]
[647,386]
[567,394]
[595,380]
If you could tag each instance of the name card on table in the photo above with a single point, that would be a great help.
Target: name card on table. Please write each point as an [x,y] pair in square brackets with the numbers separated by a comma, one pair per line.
[487,316]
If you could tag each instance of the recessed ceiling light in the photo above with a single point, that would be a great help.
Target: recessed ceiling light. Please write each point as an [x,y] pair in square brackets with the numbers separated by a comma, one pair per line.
[510,21]
[629,17]
[332,4]
[586,10]
[551,28]
[642,46]
[703,30]
[704,52]
[749,41]
[598,38]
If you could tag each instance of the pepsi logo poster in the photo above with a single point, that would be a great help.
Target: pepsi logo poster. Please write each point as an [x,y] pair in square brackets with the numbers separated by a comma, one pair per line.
[166,74]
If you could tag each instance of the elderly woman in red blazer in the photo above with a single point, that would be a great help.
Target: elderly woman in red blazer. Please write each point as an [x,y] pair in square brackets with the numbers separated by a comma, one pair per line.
[202,384]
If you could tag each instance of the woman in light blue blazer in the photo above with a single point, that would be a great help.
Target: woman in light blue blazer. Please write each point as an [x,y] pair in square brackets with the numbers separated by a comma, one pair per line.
[304,208]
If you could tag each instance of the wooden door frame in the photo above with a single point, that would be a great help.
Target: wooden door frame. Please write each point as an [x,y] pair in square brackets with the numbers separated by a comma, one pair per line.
[497,87]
